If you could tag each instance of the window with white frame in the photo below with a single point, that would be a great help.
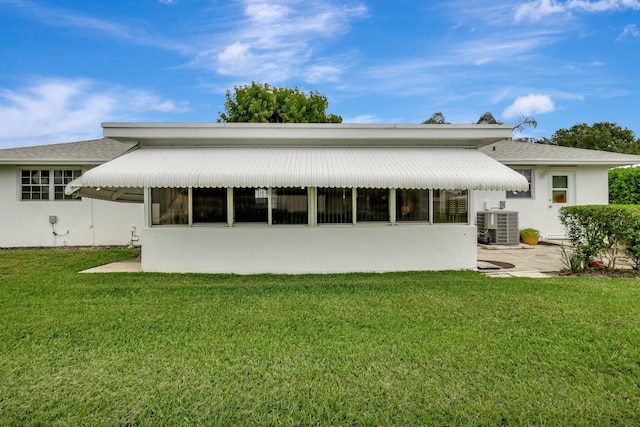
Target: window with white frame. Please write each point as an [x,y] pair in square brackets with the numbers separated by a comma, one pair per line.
[46,184]
[527,173]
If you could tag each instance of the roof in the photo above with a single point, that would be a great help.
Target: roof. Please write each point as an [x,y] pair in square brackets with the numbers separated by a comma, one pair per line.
[337,134]
[287,166]
[525,153]
[95,151]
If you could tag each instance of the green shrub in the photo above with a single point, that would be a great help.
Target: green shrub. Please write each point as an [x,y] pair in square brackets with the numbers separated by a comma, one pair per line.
[602,231]
[632,235]
[624,186]
[570,260]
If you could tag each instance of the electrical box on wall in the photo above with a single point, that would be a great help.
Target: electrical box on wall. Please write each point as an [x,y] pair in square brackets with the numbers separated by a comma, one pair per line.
[53,219]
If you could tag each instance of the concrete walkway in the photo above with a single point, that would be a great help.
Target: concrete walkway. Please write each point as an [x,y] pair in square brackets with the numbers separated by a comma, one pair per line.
[131,266]
[543,260]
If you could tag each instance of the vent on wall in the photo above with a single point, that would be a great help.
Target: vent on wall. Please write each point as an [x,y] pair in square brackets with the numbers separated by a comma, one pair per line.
[499,227]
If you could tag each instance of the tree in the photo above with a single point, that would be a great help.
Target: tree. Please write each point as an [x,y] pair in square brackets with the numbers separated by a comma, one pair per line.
[525,122]
[488,119]
[605,136]
[436,119]
[261,103]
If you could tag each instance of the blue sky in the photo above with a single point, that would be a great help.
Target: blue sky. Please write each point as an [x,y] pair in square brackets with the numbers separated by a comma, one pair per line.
[69,65]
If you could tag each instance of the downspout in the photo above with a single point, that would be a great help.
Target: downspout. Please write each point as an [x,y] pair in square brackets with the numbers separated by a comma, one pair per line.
[92,225]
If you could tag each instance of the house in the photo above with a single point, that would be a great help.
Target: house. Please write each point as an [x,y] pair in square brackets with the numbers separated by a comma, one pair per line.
[36,211]
[558,176]
[32,181]
[302,198]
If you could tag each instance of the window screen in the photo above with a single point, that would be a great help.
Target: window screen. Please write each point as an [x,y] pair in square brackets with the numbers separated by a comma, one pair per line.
[250,205]
[289,206]
[412,205]
[335,206]
[209,205]
[372,204]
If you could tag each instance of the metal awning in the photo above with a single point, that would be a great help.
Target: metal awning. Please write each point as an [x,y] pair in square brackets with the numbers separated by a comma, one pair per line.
[124,195]
[287,166]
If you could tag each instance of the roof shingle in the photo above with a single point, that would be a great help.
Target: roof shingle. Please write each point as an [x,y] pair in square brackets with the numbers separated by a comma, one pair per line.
[526,153]
[93,151]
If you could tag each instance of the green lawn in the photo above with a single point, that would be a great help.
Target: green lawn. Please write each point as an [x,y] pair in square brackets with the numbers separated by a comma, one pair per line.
[362,349]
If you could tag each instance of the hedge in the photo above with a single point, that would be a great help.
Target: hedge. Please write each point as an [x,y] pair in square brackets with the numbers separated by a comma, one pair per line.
[602,231]
[624,186]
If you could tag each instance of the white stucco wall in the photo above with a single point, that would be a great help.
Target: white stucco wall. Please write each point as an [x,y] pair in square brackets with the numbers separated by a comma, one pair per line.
[590,186]
[296,250]
[90,222]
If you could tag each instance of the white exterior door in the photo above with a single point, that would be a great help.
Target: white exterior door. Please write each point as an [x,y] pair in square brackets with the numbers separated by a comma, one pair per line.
[561,193]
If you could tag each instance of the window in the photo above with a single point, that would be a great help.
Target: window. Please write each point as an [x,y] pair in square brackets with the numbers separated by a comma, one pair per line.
[209,205]
[527,173]
[335,206]
[169,206]
[60,180]
[412,205]
[372,204]
[560,185]
[250,205]
[35,185]
[289,206]
[450,206]
[38,184]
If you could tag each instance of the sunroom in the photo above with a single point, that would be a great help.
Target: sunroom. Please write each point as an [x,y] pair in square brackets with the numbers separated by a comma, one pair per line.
[312,198]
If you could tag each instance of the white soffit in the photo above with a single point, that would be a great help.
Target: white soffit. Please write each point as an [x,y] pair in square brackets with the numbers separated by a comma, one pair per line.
[363,167]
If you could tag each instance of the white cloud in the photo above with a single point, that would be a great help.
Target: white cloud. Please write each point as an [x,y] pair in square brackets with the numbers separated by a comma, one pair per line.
[537,9]
[323,73]
[271,40]
[603,5]
[528,105]
[140,101]
[61,110]
[234,57]
[496,53]
[59,17]
[263,12]
[275,41]
[362,118]
[630,30]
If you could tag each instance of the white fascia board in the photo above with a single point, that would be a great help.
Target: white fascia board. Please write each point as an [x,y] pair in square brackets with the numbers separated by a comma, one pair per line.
[50,162]
[567,162]
[196,134]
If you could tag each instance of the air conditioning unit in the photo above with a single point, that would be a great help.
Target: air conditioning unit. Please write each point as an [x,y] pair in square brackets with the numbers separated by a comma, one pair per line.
[498,227]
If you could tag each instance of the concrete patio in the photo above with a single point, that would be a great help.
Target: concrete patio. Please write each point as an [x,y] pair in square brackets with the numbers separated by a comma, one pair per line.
[543,260]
